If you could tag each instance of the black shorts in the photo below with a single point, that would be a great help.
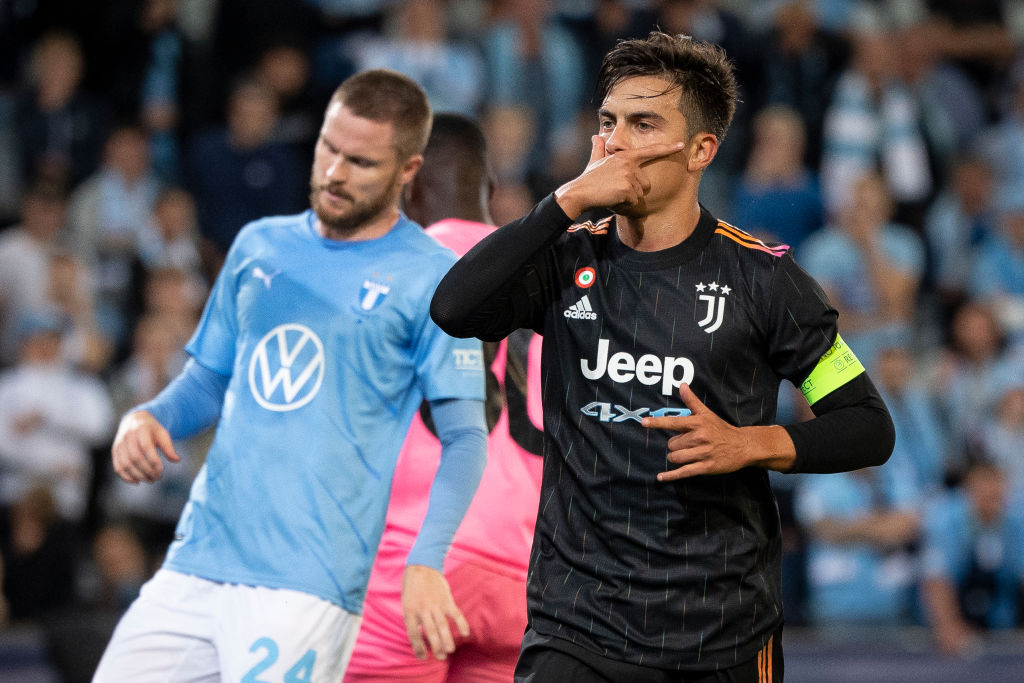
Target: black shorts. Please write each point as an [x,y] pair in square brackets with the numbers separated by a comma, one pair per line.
[544,659]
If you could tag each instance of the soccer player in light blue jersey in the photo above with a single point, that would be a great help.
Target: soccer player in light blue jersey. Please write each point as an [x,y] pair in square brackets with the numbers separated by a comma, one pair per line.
[314,351]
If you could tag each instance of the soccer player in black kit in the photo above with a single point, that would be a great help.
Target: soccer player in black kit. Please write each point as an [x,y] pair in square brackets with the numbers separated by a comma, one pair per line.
[666,335]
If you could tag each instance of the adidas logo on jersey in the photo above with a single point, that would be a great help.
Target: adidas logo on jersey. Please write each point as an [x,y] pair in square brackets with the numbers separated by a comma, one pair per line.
[580,310]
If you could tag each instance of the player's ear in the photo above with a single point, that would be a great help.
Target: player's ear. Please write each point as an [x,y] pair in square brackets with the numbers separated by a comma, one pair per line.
[410,167]
[702,150]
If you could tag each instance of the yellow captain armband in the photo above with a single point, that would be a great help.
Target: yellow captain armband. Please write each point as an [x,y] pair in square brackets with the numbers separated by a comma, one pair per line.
[834,369]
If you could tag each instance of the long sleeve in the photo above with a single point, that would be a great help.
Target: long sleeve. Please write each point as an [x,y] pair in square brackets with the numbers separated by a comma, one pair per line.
[494,288]
[462,430]
[191,402]
[851,429]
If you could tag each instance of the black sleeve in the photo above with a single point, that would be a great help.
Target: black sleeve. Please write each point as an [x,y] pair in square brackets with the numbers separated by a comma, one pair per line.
[851,429]
[495,288]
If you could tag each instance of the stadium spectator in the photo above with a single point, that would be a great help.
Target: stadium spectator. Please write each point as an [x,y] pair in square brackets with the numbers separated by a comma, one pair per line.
[778,196]
[110,214]
[998,274]
[862,527]
[416,42]
[801,63]
[25,251]
[973,560]
[975,360]
[40,553]
[959,221]
[1001,438]
[922,445]
[61,124]
[241,171]
[534,62]
[874,120]
[51,417]
[870,267]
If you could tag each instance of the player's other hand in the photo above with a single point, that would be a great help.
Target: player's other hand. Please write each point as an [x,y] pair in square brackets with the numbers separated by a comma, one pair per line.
[429,610]
[707,444]
[137,448]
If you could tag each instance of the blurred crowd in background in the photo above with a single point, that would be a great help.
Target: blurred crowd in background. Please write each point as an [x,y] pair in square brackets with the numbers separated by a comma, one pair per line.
[882,140]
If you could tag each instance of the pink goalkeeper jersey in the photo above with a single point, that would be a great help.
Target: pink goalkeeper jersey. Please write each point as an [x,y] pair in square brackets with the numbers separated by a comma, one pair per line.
[500,521]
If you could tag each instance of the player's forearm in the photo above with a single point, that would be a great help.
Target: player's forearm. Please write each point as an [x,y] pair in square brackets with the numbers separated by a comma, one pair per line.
[469,300]
[462,430]
[191,402]
[852,429]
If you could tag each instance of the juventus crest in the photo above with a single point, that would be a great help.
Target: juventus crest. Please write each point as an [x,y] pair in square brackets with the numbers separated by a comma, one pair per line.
[715,305]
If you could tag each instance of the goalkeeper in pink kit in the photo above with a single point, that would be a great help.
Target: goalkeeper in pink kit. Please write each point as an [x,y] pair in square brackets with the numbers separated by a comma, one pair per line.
[487,564]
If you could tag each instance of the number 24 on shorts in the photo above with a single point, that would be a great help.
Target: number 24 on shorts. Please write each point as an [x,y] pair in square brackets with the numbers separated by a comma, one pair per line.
[301,671]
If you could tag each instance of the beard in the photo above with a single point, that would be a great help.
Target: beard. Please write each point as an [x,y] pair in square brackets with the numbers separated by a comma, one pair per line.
[343,224]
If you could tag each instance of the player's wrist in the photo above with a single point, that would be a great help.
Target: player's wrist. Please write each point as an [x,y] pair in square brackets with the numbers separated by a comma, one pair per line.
[775,449]
[568,200]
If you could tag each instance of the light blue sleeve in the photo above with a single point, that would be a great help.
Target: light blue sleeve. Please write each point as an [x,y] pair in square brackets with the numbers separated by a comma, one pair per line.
[213,342]
[191,402]
[447,367]
[462,429]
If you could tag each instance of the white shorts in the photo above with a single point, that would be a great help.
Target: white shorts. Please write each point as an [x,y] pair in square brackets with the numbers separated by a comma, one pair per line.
[183,628]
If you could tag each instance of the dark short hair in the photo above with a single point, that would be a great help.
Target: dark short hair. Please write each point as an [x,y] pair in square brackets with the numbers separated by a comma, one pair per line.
[700,70]
[457,136]
[389,96]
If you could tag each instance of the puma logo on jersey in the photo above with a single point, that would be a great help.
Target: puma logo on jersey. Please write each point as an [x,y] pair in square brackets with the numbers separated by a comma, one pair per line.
[581,310]
[648,369]
[263,275]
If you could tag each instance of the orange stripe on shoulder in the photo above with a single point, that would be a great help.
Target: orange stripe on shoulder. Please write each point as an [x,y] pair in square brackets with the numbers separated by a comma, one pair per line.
[747,240]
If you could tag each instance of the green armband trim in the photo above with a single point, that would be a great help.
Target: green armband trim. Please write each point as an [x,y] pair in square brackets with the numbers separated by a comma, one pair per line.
[837,367]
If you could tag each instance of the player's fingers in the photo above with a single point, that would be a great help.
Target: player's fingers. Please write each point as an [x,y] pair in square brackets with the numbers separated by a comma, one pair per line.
[446,641]
[163,440]
[684,472]
[438,635]
[597,149]
[691,401]
[456,615]
[414,631]
[124,471]
[674,423]
[143,455]
[647,153]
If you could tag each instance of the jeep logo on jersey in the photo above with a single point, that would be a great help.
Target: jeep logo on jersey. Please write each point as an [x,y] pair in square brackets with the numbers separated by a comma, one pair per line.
[716,305]
[647,369]
[287,368]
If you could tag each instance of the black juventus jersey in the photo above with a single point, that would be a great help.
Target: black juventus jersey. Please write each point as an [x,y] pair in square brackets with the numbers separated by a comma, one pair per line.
[681,575]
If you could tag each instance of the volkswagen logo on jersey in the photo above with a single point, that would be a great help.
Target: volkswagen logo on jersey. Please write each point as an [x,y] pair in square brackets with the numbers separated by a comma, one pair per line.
[585,277]
[715,305]
[287,368]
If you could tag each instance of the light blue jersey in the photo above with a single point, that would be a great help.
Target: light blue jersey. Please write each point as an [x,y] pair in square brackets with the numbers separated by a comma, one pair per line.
[330,349]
